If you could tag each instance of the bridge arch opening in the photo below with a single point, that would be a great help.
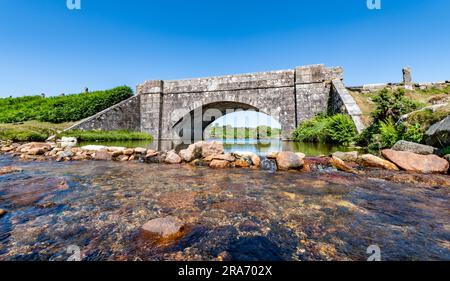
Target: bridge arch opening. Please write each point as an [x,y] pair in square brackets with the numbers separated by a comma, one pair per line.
[242,121]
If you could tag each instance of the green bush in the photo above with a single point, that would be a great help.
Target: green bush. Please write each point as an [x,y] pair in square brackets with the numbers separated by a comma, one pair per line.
[341,129]
[392,105]
[313,130]
[119,135]
[18,135]
[62,108]
[337,128]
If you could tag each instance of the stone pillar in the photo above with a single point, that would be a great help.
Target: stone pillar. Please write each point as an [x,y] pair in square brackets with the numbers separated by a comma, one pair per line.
[151,106]
[407,78]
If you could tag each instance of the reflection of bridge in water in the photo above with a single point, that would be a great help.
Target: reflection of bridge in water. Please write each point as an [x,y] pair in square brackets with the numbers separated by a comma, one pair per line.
[182,109]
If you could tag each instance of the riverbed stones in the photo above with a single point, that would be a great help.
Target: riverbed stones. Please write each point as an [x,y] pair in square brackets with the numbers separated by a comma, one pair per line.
[351,156]
[7,149]
[439,133]
[251,158]
[172,158]
[123,158]
[272,155]
[227,157]
[102,156]
[2,212]
[128,151]
[94,148]
[341,165]
[65,153]
[165,227]
[67,142]
[34,148]
[219,164]
[414,147]
[428,164]
[287,160]
[140,150]
[193,152]
[369,160]
[9,170]
[210,148]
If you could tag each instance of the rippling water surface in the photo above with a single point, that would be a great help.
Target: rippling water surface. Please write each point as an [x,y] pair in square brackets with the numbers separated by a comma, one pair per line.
[248,215]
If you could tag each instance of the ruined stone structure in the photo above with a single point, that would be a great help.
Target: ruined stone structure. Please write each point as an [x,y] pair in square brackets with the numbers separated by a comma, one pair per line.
[184,108]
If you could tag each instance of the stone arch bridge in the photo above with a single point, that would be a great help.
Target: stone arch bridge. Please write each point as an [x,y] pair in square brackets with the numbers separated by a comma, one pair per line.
[184,108]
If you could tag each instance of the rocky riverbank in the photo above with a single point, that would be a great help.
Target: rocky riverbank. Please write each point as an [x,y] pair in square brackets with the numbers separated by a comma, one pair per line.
[404,156]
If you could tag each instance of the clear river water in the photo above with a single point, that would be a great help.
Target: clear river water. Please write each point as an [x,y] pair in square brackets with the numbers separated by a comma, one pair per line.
[240,214]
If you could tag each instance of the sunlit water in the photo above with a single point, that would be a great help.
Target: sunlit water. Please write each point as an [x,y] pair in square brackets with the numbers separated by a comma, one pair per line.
[252,215]
[260,147]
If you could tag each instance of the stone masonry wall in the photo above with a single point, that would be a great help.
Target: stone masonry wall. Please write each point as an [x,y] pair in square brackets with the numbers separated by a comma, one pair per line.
[122,116]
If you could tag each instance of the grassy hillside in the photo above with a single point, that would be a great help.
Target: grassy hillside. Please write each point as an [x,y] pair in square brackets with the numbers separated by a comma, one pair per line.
[62,108]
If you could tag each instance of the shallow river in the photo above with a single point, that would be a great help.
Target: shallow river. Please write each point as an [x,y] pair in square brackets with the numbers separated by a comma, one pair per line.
[260,147]
[238,214]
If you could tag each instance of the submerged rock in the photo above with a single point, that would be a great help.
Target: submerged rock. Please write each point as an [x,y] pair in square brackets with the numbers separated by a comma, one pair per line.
[414,147]
[164,227]
[369,160]
[287,160]
[428,164]
[2,212]
[9,170]
[172,158]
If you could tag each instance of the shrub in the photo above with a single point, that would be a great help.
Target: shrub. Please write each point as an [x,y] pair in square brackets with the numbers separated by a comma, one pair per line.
[392,105]
[341,129]
[313,130]
[338,129]
[60,109]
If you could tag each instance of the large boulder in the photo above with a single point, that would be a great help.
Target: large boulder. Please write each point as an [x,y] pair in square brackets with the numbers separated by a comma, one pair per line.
[191,153]
[369,160]
[414,147]
[172,158]
[439,133]
[35,148]
[67,142]
[164,227]
[287,160]
[210,148]
[427,164]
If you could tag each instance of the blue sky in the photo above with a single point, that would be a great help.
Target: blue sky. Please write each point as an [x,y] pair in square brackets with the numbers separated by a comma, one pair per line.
[46,48]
